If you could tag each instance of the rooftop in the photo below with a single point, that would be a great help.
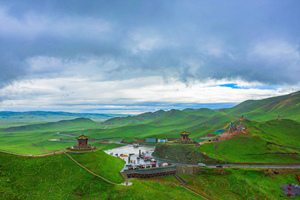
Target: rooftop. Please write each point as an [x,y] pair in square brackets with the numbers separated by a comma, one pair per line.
[184,133]
[82,137]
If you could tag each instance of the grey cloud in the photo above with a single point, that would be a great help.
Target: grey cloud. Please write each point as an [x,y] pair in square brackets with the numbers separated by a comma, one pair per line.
[78,31]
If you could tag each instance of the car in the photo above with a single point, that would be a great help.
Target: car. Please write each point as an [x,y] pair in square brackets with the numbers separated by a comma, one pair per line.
[201,164]
[219,165]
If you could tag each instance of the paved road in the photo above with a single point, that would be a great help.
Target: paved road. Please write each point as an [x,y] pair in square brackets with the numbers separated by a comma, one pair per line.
[257,166]
[265,166]
[244,166]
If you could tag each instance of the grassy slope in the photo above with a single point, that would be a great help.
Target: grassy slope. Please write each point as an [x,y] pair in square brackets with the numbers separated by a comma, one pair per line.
[63,125]
[58,177]
[102,164]
[44,116]
[267,109]
[244,148]
[242,183]
[284,132]
[52,177]
[33,139]
[131,120]
[183,154]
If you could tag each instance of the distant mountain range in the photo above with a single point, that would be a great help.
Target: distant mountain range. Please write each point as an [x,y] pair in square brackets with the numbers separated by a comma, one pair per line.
[286,106]
[270,134]
[45,116]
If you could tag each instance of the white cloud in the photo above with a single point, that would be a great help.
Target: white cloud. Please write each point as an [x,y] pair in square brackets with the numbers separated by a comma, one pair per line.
[77,94]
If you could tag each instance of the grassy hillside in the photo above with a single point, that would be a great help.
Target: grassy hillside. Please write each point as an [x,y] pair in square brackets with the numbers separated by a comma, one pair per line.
[58,177]
[63,125]
[33,139]
[183,154]
[286,106]
[8,117]
[283,132]
[131,120]
[257,147]
[239,183]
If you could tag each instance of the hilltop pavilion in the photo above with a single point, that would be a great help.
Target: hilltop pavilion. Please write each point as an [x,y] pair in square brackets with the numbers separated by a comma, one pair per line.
[82,140]
[184,135]
[82,143]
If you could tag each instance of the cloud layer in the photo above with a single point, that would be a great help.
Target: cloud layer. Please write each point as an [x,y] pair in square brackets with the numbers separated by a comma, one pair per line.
[56,49]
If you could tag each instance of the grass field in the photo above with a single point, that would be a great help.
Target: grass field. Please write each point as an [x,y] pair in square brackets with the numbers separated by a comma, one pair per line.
[255,148]
[7,117]
[239,183]
[34,138]
[268,109]
[244,148]
[58,177]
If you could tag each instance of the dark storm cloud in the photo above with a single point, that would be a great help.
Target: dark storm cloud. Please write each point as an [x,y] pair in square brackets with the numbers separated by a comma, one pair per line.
[186,40]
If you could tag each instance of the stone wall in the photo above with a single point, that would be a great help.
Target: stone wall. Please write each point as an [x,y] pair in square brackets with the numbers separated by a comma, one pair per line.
[185,169]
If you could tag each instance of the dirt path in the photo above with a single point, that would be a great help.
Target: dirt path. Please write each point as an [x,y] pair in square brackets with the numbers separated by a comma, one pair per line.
[284,147]
[183,184]
[89,170]
[217,153]
[204,197]
[22,155]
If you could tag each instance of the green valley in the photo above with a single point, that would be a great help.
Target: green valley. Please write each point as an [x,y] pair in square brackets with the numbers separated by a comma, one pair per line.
[262,139]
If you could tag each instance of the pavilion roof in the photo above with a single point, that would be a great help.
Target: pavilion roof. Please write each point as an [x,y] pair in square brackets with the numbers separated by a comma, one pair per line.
[82,137]
[184,133]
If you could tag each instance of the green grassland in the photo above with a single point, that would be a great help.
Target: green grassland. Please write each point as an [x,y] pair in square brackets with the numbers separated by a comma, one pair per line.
[141,118]
[284,132]
[34,138]
[255,148]
[7,117]
[63,125]
[58,177]
[239,183]
[287,106]
[183,154]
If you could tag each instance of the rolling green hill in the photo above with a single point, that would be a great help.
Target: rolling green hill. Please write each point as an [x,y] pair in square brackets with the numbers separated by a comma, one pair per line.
[287,106]
[8,117]
[74,124]
[270,141]
[34,138]
[58,177]
[131,120]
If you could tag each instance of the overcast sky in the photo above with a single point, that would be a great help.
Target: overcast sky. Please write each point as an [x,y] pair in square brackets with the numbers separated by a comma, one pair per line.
[135,56]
